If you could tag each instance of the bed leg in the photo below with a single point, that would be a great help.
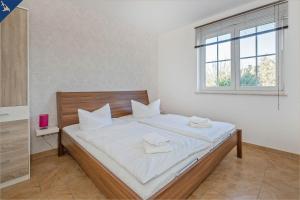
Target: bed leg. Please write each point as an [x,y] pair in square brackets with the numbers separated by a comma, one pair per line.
[61,150]
[60,147]
[239,144]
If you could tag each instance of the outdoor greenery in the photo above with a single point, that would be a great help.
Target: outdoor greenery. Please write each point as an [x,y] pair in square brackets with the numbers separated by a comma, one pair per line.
[224,82]
[248,77]
[266,74]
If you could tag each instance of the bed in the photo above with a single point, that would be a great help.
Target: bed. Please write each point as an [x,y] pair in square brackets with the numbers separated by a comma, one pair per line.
[104,177]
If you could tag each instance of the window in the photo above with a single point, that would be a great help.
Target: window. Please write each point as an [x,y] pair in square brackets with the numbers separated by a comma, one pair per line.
[258,57]
[218,61]
[243,53]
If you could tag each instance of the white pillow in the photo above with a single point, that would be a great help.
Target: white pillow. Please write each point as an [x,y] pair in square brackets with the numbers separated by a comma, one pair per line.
[140,110]
[96,119]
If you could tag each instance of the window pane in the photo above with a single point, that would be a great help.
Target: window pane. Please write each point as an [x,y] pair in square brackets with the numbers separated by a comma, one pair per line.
[265,27]
[211,74]
[248,72]
[211,50]
[211,53]
[247,31]
[224,74]
[211,40]
[267,70]
[247,47]
[266,43]
[224,37]
[224,51]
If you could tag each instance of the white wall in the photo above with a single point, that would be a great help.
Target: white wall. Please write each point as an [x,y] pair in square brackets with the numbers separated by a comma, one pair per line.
[81,47]
[258,116]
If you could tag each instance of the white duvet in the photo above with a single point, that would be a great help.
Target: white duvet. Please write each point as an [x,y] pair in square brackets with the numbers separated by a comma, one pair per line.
[180,124]
[124,144]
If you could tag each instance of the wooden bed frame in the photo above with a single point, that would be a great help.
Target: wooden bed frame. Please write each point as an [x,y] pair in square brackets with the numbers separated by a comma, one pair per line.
[111,186]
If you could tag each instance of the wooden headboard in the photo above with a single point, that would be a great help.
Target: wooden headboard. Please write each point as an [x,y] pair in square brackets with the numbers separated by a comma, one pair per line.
[69,102]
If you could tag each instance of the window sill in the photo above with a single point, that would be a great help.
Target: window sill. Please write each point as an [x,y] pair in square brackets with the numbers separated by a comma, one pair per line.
[243,92]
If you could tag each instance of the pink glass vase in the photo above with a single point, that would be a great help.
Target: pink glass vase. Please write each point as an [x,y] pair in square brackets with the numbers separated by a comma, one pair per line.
[43,121]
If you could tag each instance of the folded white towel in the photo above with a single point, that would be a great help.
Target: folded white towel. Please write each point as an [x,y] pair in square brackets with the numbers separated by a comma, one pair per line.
[150,149]
[199,120]
[203,125]
[155,139]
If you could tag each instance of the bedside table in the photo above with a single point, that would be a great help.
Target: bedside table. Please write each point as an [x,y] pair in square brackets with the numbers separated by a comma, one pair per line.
[46,131]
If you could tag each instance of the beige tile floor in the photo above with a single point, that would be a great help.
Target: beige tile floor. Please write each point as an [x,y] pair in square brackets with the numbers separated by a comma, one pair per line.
[261,174]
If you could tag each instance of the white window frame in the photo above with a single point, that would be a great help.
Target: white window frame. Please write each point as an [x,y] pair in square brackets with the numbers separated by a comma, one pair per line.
[235,87]
[202,63]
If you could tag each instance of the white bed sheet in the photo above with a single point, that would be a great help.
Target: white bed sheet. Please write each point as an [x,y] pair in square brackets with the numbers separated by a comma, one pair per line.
[124,144]
[143,190]
[228,131]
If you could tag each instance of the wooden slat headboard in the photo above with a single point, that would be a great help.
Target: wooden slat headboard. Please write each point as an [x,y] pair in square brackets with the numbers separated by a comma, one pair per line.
[69,102]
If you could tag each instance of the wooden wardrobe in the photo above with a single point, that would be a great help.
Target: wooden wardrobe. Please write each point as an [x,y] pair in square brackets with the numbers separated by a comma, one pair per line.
[14,110]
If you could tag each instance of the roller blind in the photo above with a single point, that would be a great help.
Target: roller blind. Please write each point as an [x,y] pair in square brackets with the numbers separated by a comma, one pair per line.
[276,13]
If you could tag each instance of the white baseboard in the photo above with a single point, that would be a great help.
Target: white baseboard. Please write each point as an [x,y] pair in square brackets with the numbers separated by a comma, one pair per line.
[14,181]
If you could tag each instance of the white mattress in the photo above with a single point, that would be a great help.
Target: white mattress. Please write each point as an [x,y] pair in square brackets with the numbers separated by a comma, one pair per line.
[143,190]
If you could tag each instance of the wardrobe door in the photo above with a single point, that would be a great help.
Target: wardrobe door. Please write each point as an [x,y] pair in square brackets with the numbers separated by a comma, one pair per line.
[14,112]
[14,59]
[14,159]
[1,86]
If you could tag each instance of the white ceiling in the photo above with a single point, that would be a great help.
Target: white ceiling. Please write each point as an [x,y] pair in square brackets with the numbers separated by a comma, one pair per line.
[164,15]
[155,16]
